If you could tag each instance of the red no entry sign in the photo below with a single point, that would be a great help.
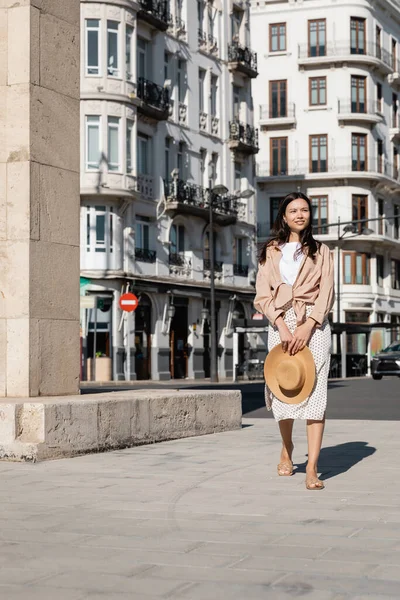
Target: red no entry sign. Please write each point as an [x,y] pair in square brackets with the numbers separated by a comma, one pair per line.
[128,302]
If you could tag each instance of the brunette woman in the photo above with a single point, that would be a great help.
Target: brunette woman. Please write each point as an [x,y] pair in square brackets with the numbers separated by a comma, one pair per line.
[294,290]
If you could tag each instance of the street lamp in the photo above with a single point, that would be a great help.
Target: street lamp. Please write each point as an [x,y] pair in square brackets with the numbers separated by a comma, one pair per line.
[218,190]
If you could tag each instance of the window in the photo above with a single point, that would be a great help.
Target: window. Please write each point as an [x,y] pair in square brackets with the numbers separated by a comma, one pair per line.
[143,155]
[357,316]
[128,51]
[129,141]
[212,174]
[278,99]
[356,267]
[395,274]
[395,333]
[379,97]
[180,160]
[112,48]
[206,254]
[357,35]
[358,93]
[318,153]
[203,158]
[273,208]
[142,233]
[167,174]
[214,95]
[320,213]
[359,152]
[239,252]
[99,229]
[381,158]
[394,111]
[279,156]
[92,47]
[277,37]
[167,58]
[142,53]
[202,76]
[317,90]
[177,239]
[211,21]
[381,212]
[236,22]
[113,144]
[380,269]
[395,163]
[181,80]
[394,54]
[359,210]
[238,176]
[378,37]
[236,102]
[396,221]
[317,37]
[200,14]
[92,142]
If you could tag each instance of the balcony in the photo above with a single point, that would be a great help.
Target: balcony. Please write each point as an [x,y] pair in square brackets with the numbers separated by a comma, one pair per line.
[177,27]
[145,255]
[242,59]
[365,112]
[217,265]
[373,169]
[207,42]
[191,199]
[276,117]
[179,266]
[243,138]
[155,99]
[394,130]
[342,51]
[155,12]
[241,270]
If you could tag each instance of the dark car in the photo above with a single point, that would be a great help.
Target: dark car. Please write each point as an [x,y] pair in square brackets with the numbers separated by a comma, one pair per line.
[387,361]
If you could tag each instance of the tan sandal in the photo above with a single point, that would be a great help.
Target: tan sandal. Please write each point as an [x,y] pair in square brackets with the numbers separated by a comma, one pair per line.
[285,469]
[313,483]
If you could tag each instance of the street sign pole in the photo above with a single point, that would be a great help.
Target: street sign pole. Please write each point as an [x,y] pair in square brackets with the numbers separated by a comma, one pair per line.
[128,344]
[128,303]
[93,374]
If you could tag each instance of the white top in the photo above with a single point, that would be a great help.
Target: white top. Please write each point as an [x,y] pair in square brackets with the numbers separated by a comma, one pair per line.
[289,264]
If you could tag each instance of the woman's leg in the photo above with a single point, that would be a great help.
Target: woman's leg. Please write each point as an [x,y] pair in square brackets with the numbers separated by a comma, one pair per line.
[315,431]
[285,466]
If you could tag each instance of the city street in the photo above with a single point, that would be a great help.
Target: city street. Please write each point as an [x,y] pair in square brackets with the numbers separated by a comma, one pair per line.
[361,398]
[207,518]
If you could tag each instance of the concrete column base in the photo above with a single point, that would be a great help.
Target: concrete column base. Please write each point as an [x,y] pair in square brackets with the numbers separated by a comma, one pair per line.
[57,427]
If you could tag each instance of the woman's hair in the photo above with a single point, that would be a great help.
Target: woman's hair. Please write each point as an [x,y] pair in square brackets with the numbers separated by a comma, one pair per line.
[281,232]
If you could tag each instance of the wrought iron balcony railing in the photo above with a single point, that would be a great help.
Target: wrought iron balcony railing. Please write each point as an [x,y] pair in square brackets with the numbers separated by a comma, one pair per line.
[243,55]
[244,134]
[202,37]
[241,270]
[177,259]
[153,94]
[345,48]
[196,196]
[157,9]
[217,265]
[375,166]
[145,255]
[346,107]
[285,111]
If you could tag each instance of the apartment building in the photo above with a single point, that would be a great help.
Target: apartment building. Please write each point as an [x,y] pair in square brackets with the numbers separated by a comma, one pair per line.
[166,116]
[327,105]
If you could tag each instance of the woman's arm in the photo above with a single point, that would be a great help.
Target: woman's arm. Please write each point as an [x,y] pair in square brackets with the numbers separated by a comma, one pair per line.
[326,296]
[264,301]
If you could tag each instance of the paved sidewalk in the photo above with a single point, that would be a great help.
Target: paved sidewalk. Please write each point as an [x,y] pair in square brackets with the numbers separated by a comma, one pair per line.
[207,518]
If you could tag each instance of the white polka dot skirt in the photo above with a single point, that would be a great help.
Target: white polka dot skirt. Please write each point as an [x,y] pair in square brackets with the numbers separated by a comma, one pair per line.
[320,345]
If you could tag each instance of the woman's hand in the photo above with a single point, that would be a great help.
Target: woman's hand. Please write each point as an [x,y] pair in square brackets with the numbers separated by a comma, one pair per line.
[301,337]
[284,333]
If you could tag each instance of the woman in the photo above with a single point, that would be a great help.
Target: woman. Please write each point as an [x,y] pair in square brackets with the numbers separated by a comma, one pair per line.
[294,290]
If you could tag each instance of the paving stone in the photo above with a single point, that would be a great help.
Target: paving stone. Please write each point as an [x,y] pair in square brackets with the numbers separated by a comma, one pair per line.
[33,592]
[230,591]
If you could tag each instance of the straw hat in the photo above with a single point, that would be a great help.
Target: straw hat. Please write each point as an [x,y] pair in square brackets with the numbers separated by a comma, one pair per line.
[290,378]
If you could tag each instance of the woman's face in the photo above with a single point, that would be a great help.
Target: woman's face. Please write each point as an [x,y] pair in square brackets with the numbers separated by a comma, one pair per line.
[297,215]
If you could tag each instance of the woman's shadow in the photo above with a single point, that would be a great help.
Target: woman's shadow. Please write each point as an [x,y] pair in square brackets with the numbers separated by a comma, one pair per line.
[335,460]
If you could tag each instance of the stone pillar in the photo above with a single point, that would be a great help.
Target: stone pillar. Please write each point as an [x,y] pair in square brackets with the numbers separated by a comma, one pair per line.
[39,197]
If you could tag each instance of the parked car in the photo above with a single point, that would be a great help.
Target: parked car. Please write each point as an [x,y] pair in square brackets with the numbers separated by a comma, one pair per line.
[387,361]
